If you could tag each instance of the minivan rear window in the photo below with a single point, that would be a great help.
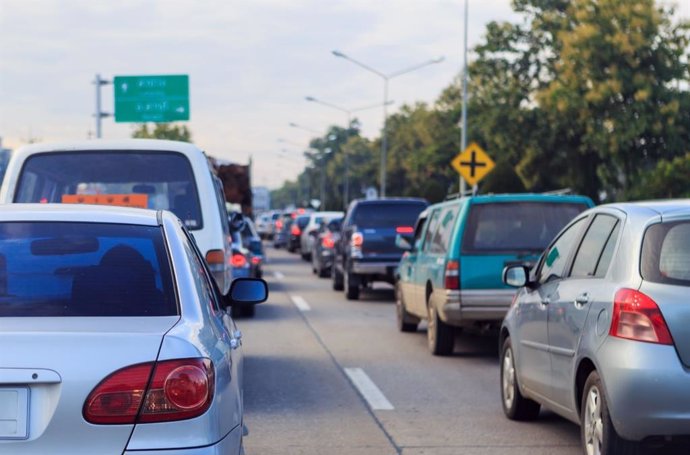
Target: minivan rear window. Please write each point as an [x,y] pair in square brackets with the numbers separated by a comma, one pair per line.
[666,253]
[387,214]
[84,269]
[144,179]
[516,226]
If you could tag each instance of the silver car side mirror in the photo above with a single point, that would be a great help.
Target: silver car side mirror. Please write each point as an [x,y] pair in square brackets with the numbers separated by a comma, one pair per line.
[515,276]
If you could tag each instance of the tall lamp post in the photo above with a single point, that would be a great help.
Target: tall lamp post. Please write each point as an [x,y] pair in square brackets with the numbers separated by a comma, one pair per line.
[348,112]
[386,77]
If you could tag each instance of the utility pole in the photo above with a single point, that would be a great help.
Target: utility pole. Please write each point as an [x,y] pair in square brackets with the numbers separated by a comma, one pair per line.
[99,114]
[463,138]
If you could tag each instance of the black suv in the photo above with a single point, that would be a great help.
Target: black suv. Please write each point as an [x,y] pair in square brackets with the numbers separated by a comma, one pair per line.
[366,251]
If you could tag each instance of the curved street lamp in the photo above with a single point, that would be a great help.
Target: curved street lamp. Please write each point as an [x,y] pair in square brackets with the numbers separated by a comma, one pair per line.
[386,77]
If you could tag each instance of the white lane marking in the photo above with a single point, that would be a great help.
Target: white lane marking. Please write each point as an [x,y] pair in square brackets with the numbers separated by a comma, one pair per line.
[366,387]
[278,275]
[300,303]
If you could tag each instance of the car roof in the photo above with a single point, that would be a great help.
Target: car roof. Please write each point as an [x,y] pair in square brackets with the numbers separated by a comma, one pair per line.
[520,197]
[96,145]
[660,207]
[391,199]
[78,213]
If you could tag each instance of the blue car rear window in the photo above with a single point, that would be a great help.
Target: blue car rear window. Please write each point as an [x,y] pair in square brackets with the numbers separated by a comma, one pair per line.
[84,269]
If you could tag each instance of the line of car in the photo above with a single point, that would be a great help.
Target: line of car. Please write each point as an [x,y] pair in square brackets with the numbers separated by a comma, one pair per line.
[116,321]
[598,329]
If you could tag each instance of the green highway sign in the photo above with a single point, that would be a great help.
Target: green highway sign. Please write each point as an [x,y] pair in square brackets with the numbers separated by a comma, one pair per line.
[151,98]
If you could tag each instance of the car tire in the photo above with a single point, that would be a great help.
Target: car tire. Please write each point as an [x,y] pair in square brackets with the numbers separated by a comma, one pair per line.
[406,322]
[515,406]
[306,256]
[337,279]
[440,336]
[324,272]
[351,286]
[597,432]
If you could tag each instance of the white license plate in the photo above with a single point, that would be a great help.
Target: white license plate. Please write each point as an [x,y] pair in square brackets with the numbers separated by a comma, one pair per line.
[14,412]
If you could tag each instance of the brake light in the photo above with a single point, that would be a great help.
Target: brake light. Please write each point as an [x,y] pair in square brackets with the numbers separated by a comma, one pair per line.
[279,224]
[357,239]
[238,260]
[404,230]
[256,260]
[637,317]
[177,389]
[327,241]
[452,275]
[295,230]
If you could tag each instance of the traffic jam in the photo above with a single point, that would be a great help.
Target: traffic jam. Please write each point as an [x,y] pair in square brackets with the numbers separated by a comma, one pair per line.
[497,265]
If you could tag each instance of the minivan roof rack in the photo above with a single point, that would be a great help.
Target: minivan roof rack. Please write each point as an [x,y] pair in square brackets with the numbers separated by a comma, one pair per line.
[561,192]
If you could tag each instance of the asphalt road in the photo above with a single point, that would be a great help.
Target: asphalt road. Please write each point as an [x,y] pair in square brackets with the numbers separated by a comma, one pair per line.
[306,343]
[324,375]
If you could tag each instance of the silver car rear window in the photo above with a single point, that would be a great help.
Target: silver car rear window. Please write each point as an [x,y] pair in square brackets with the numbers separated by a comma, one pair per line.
[144,179]
[84,269]
[666,253]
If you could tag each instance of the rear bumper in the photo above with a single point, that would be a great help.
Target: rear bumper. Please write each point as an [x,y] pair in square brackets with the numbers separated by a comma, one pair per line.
[374,268]
[647,389]
[466,307]
[229,445]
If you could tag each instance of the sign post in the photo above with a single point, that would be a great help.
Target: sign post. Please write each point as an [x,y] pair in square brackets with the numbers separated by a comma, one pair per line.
[157,99]
[473,164]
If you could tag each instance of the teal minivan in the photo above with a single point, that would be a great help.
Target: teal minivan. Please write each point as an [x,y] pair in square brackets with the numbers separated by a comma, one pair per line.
[451,272]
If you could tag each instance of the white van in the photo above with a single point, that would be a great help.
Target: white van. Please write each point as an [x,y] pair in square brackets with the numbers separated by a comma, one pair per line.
[143,173]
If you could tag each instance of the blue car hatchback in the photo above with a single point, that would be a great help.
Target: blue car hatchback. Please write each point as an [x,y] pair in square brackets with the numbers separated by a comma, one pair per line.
[450,274]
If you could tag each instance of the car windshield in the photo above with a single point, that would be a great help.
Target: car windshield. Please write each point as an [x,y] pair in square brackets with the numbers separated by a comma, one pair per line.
[84,269]
[666,253]
[516,226]
[387,214]
[154,180]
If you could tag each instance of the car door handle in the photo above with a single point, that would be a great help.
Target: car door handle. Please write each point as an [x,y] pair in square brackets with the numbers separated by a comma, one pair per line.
[545,300]
[582,299]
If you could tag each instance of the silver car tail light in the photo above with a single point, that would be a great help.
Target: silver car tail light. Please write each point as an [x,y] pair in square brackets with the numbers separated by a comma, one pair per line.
[153,392]
[637,317]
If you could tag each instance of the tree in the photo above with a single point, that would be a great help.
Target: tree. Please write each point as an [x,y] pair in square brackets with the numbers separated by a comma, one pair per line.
[168,131]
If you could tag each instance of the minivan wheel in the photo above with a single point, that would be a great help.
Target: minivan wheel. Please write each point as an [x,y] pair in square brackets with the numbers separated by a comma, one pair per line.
[598,434]
[337,278]
[515,406]
[406,322]
[440,336]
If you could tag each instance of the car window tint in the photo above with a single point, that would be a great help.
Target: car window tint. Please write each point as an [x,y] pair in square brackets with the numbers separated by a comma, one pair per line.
[84,269]
[607,254]
[666,253]
[592,246]
[387,214]
[155,180]
[419,228]
[556,257]
[516,226]
[202,283]
[431,229]
[441,239]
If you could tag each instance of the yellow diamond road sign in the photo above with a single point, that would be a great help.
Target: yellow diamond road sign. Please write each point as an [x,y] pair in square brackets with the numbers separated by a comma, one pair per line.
[473,164]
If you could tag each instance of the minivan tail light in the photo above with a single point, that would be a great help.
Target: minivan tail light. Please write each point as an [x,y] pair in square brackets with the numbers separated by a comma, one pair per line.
[238,260]
[452,275]
[404,230]
[152,392]
[215,259]
[637,317]
[357,239]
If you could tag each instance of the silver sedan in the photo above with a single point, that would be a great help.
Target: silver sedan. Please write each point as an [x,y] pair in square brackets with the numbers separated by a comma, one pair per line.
[113,337]
[599,331]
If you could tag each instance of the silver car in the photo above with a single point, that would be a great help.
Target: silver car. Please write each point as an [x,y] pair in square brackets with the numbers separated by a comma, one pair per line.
[599,332]
[113,336]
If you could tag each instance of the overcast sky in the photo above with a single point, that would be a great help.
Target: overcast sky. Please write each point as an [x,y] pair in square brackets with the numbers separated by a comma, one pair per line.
[250,64]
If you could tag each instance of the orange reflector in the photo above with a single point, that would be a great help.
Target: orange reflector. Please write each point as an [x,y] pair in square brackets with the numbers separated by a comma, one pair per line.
[215,257]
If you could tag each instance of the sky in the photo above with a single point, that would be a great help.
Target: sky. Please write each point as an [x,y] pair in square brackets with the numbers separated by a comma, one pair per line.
[251,63]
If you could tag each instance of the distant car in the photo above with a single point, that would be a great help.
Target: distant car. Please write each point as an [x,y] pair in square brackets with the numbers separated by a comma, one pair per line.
[281,232]
[251,242]
[599,331]
[323,247]
[450,274]
[143,173]
[295,233]
[366,251]
[265,224]
[116,338]
[310,231]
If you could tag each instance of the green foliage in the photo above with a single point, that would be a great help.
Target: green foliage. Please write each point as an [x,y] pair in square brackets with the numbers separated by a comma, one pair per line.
[669,179]
[168,131]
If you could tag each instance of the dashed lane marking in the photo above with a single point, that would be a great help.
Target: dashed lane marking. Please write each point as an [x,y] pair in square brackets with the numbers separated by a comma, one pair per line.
[300,303]
[278,275]
[366,387]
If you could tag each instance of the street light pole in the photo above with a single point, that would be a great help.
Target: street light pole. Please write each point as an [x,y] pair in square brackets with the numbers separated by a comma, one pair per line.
[463,137]
[386,78]
[99,114]
[346,156]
